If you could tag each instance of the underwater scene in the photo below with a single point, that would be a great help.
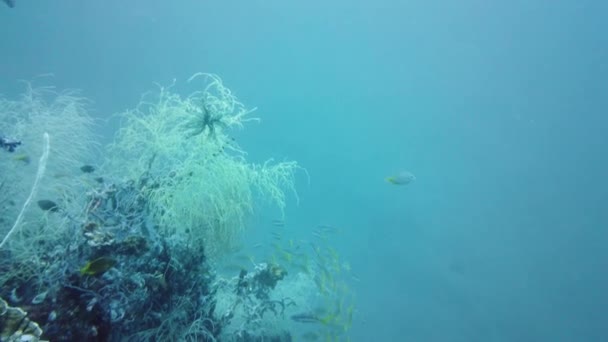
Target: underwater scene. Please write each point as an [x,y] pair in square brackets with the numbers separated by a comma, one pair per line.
[275,171]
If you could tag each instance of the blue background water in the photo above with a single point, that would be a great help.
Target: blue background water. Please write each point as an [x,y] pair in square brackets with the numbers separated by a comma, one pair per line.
[499,108]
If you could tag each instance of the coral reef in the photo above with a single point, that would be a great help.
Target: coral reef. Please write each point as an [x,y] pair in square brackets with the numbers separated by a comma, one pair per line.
[127,249]
[16,326]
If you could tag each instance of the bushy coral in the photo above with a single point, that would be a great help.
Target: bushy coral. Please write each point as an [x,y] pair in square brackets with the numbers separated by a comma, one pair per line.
[65,116]
[41,238]
[196,176]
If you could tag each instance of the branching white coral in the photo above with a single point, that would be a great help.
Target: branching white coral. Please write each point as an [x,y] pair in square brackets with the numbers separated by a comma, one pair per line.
[39,174]
[202,184]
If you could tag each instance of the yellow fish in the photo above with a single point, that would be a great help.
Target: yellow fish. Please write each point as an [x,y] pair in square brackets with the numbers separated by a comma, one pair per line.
[402,178]
[23,158]
[98,266]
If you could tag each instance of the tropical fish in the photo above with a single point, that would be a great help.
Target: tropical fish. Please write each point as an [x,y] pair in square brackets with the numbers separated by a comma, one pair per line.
[87,168]
[39,298]
[23,158]
[402,178]
[62,175]
[276,235]
[9,144]
[48,205]
[327,319]
[306,318]
[278,223]
[98,266]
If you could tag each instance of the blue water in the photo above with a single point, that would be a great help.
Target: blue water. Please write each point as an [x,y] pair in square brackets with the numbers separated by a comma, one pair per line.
[500,109]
